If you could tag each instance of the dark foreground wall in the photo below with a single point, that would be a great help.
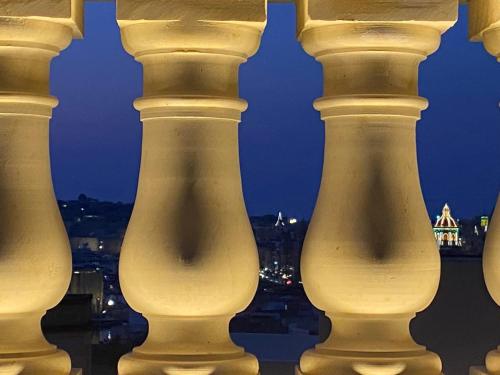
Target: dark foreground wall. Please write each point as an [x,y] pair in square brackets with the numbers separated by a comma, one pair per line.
[463,322]
[461,325]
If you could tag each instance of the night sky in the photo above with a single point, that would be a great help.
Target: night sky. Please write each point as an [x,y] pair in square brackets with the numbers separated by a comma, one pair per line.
[96,133]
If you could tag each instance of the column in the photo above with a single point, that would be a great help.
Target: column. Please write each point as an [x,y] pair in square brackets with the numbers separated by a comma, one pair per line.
[491,263]
[189,261]
[370,260]
[35,259]
[484,26]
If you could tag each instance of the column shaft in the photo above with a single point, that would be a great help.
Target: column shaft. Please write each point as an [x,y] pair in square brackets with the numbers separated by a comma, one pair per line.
[491,263]
[35,260]
[370,260]
[189,261]
[484,26]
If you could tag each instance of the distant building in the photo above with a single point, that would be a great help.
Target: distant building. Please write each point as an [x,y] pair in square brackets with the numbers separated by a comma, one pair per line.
[94,225]
[473,233]
[111,245]
[280,222]
[89,281]
[279,240]
[484,223]
[446,229]
[90,243]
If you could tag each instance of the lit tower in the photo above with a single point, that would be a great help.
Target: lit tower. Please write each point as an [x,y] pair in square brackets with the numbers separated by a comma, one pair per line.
[280,222]
[446,229]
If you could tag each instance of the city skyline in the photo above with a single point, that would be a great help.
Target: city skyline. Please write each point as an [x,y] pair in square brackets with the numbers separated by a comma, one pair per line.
[96,133]
[277,213]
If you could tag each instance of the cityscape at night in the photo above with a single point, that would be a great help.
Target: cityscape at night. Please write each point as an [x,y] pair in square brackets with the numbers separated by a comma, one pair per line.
[280,307]
[96,230]
[249,187]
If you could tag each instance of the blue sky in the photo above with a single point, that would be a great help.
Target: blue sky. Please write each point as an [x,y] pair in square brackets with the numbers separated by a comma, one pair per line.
[96,134]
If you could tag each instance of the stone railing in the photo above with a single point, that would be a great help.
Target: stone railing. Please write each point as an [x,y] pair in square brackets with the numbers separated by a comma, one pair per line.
[370,281]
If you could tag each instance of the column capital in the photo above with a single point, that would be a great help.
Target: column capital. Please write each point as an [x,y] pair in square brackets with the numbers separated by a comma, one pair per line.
[371,51]
[211,26]
[484,24]
[191,52]
[326,27]
[244,11]
[439,14]
[31,34]
[65,12]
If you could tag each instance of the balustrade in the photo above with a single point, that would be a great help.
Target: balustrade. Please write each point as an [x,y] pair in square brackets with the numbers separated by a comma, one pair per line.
[491,265]
[189,261]
[484,26]
[368,275]
[35,258]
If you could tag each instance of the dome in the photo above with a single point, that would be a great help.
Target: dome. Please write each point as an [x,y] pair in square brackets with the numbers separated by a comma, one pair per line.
[446,220]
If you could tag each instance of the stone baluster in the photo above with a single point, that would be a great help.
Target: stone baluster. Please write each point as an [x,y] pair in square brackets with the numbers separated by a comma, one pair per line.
[189,261]
[370,260]
[484,26]
[35,259]
[491,265]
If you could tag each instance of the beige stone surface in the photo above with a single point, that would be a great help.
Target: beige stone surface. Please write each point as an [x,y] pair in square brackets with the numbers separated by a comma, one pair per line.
[366,274]
[491,256]
[438,13]
[189,261]
[484,24]
[483,14]
[491,270]
[478,370]
[67,12]
[246,11]
[35,267]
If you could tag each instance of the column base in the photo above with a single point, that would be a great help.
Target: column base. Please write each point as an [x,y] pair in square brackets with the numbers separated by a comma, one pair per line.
[478,370]
[55,362]
[139,364]
[188,346]
[316,362]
